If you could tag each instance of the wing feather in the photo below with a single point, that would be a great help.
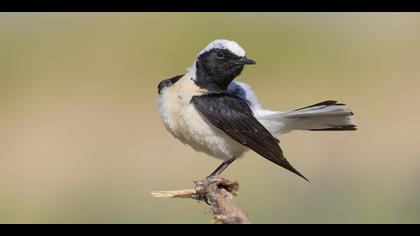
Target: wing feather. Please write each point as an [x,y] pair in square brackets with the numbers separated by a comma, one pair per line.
[232,115]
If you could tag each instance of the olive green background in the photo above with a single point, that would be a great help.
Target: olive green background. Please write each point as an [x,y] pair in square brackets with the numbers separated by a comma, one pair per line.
[81,140]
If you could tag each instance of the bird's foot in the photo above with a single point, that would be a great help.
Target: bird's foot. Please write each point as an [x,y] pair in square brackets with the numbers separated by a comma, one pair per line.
[202,186]
[212,180]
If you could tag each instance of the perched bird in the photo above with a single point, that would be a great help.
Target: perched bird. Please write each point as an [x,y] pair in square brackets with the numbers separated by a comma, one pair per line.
[213,114]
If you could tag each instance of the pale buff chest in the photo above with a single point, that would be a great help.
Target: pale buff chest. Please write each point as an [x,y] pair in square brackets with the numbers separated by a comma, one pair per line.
[185,123]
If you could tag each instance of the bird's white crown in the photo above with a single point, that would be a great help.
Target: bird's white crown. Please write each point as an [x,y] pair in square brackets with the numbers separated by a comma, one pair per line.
[230,45]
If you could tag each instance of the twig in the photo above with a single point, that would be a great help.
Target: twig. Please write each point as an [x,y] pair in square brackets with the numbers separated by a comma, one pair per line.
[219,194]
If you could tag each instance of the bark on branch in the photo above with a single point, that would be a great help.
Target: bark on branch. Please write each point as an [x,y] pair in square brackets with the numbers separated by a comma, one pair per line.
[218,194]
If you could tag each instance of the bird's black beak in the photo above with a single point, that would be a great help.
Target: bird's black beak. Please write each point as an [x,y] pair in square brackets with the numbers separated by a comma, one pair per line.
[245,61]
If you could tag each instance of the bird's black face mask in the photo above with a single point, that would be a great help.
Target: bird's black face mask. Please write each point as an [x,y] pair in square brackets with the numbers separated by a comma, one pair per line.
[216,68]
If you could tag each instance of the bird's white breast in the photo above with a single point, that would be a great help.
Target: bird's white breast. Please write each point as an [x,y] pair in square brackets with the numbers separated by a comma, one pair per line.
[184,122]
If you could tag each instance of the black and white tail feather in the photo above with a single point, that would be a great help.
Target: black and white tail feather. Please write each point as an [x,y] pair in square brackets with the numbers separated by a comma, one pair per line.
[324,116]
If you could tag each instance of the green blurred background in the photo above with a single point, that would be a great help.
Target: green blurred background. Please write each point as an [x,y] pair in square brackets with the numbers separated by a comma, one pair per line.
[81,140]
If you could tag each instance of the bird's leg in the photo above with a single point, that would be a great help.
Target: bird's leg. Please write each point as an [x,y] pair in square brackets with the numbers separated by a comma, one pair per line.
[214,176]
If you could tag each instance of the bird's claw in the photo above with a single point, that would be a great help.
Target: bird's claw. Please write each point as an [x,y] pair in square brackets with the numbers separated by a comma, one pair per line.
[202,186]
[211,180]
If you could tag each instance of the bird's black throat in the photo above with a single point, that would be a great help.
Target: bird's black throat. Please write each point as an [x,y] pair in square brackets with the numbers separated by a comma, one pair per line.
[218,82]
[214,72]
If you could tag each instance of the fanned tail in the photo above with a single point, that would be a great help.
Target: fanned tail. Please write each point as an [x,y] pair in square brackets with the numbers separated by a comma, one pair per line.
[324,116]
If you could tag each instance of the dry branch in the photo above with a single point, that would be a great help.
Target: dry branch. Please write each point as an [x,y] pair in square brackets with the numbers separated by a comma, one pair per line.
[218,194]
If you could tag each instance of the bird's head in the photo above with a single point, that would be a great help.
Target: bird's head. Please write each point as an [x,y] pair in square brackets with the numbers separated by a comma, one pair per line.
[218,64]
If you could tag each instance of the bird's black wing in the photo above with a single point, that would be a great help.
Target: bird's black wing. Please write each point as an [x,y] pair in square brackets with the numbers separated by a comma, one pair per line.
[168,82]
[233,115]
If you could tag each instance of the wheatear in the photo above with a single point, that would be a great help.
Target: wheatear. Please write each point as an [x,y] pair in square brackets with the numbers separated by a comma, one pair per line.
[213,114]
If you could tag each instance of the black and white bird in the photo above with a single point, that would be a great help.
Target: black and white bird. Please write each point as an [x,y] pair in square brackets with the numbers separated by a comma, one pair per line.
[213,114]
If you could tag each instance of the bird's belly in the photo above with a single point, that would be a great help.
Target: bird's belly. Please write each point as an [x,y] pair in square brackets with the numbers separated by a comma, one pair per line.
[186,124]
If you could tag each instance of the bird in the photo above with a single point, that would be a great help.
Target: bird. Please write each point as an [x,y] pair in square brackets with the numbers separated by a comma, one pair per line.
[207,109]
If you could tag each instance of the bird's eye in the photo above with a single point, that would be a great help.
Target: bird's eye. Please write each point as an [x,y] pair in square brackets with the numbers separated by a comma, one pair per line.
[220,55]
